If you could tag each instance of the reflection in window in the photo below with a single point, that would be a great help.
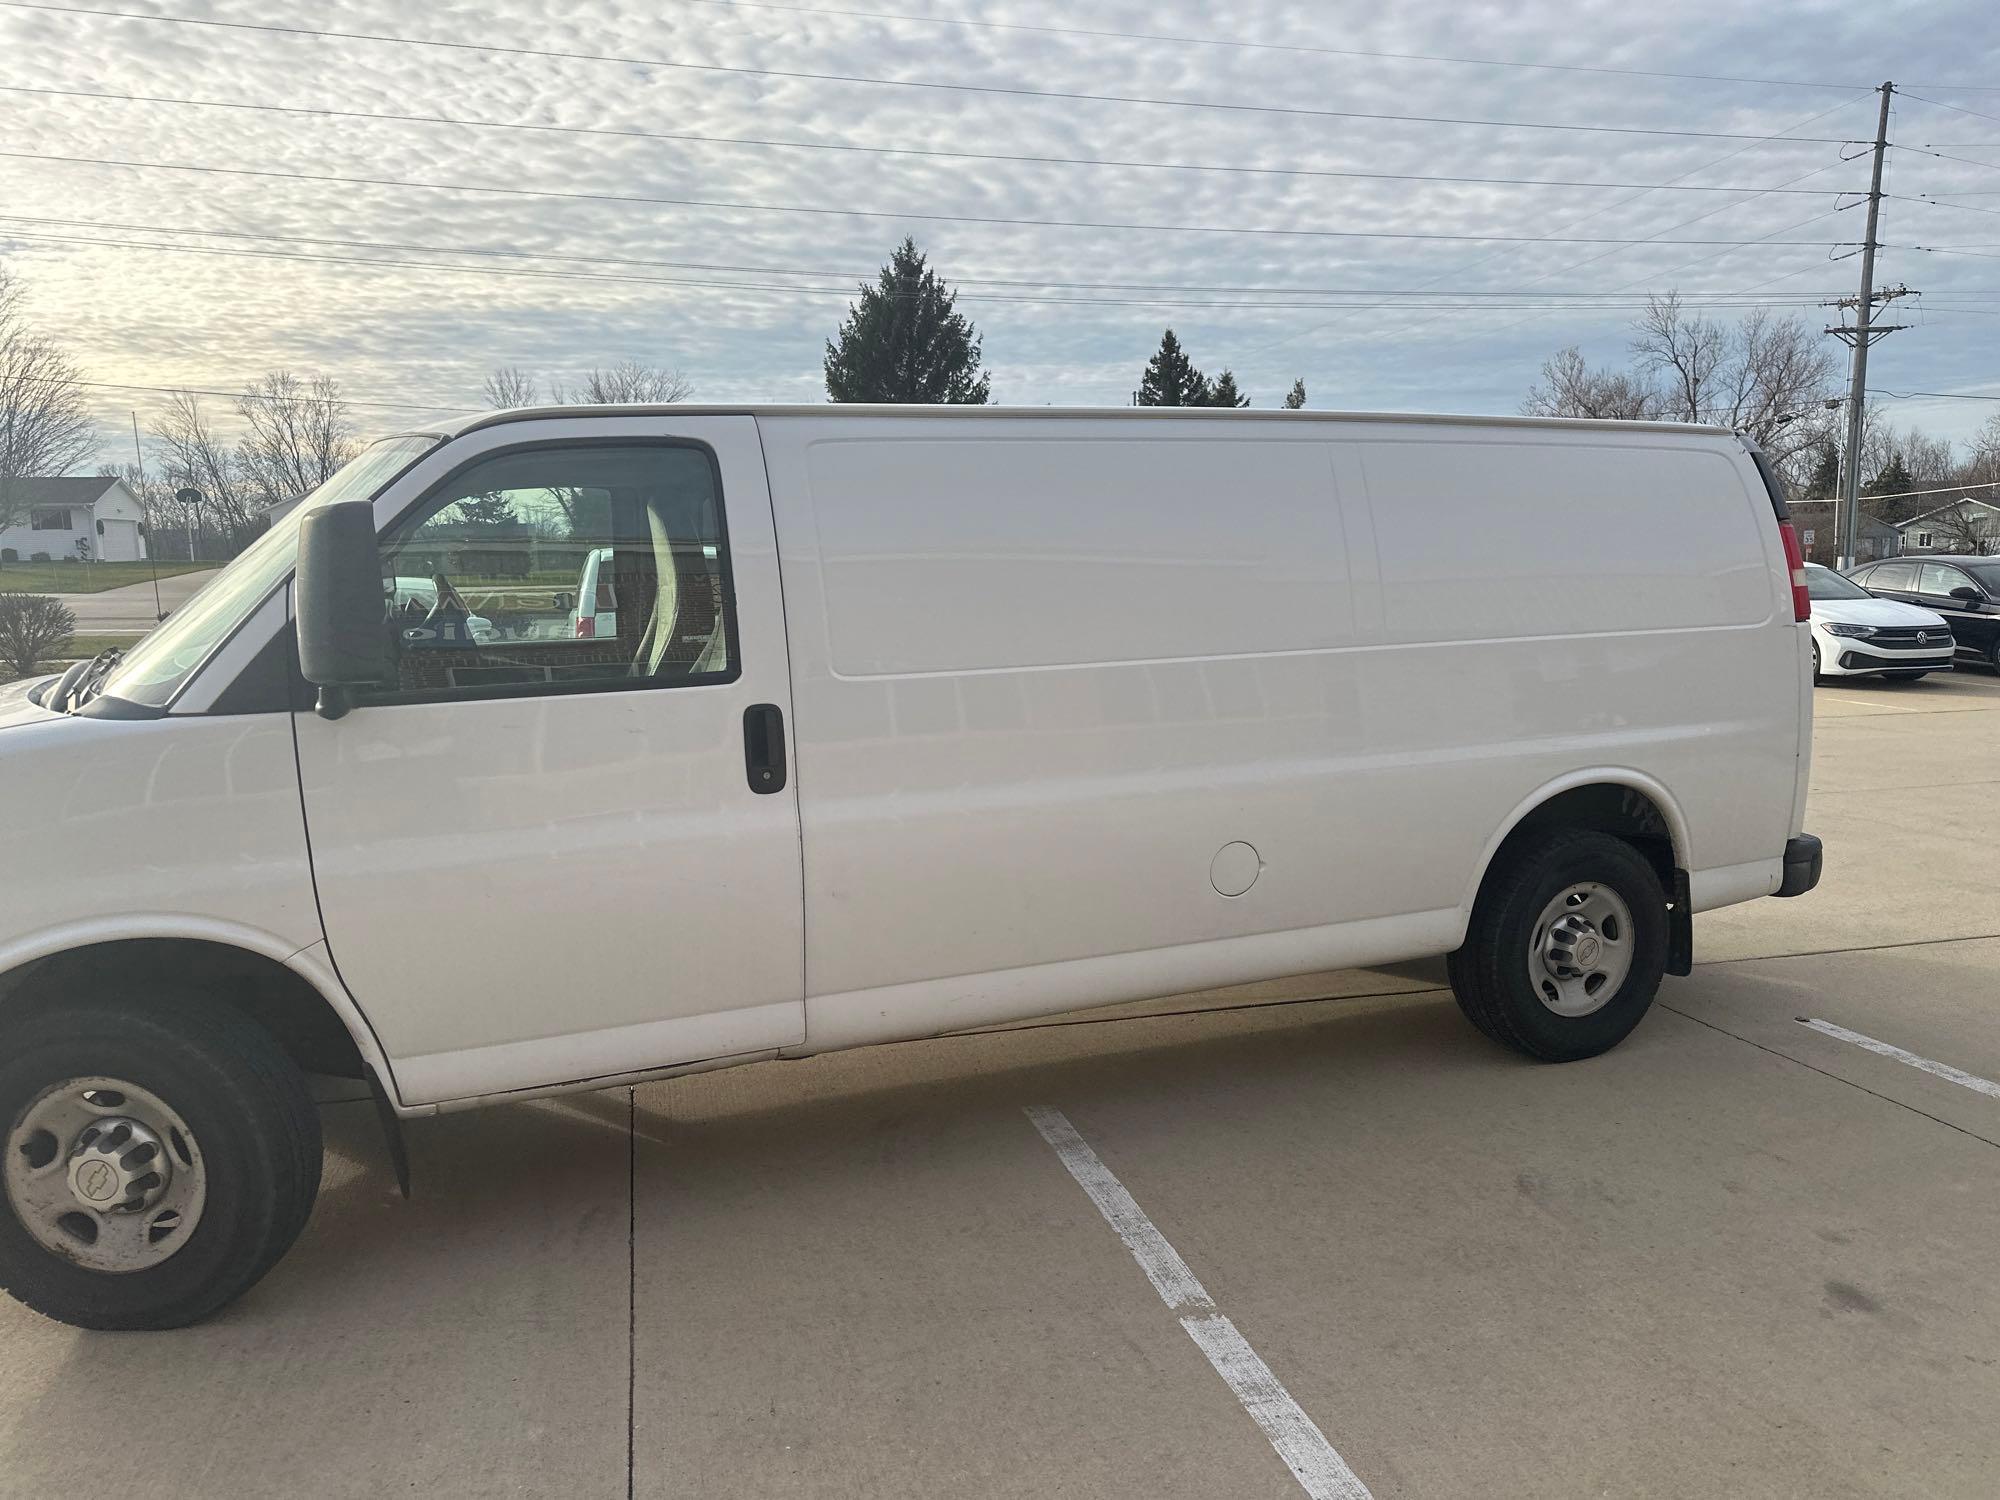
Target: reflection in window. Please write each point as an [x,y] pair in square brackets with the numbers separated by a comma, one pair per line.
[563,567]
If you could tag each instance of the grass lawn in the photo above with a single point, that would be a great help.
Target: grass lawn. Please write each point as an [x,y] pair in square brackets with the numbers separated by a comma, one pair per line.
[80,648]
[85,578]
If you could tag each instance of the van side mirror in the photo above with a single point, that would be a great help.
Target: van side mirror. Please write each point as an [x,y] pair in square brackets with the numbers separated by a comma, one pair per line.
[338,601]
[1971,598]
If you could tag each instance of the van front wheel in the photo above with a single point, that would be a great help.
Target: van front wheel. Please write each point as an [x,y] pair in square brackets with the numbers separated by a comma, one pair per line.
[161,1154]
[1566,947]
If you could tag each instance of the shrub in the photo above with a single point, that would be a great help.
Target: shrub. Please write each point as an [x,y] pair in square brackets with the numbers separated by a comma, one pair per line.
[38,557]
[8,554]
[33,628]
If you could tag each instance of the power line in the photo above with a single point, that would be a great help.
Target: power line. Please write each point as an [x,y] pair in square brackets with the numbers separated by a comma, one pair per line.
[685,137]
[1783,132]
[1935,395]
[1991,166]
[1302,48]
[1546,301]
[1011,91]
[850,277]
[1960,108]
[816,210]
[175,390]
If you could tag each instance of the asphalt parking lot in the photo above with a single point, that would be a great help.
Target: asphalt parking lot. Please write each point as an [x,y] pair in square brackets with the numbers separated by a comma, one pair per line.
[1738,1255]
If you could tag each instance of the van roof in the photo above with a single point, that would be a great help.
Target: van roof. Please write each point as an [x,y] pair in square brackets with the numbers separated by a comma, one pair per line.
[1059,413]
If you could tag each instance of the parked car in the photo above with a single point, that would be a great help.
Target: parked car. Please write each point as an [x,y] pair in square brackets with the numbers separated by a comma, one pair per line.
[1854,634]
[1961,590]
[937,718]
[594,612]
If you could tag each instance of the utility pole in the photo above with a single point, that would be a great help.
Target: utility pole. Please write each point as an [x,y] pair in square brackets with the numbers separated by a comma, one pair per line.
[1864,332]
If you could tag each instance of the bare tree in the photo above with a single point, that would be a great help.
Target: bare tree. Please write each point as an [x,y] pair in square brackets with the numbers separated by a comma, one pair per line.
[508,387]
[299,434]
[1962,528]
[625,383]
[1759,377]
[199,459]
[1570,388]
[45,427]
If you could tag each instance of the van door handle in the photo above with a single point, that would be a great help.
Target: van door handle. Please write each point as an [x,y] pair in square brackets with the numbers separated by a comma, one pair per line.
[764,747]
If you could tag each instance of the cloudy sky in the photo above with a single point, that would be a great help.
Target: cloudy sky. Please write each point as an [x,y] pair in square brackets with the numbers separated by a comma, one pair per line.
[553,206]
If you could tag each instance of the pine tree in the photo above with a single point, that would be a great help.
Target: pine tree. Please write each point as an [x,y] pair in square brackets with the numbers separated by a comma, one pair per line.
[1824,482]
[903,342]
[1296,399]
[1171,378]
[487,510]
[1224,392]
[1894,480]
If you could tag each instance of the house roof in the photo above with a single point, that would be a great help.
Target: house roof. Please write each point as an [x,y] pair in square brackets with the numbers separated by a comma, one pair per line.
[83,490]
[1961,501]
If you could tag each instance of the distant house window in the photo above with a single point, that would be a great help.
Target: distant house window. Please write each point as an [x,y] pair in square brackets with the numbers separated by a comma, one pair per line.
[1923,539]
[100,528]
[50,520]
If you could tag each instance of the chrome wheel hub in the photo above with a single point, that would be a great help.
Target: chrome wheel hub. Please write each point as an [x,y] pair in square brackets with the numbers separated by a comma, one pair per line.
[1581,950]
[105,1174]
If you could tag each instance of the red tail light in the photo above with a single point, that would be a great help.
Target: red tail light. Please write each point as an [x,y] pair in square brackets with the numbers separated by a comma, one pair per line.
[1795,562]
[586,625]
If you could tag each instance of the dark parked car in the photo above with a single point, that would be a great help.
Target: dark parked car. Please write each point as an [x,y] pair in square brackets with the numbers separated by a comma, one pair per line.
[1962,589]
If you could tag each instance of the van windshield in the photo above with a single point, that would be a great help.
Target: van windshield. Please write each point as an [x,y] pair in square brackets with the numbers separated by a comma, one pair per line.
[153,671]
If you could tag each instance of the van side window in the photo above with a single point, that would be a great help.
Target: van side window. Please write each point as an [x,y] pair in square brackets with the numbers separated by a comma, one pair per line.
[550,569]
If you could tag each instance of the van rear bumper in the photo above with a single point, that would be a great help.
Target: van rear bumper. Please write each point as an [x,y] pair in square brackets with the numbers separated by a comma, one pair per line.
[1803,858]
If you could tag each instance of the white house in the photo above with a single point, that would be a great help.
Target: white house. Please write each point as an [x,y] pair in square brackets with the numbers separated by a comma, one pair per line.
[1939,530]
[56,514]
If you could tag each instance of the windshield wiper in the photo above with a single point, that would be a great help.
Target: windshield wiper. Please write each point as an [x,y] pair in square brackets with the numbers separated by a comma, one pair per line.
[90,681]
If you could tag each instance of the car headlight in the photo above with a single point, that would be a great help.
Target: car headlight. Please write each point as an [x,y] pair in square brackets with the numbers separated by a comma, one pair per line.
[1862,630]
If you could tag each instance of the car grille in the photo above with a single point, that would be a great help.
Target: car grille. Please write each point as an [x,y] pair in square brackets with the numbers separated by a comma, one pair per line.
[1906,638]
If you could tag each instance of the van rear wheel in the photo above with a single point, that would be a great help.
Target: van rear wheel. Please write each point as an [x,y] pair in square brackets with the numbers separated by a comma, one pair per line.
[1566,948]
[161,1154]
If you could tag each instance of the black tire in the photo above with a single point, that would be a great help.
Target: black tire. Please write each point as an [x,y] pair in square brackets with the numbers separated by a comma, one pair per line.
[1490,974]
[1817,678]
[256,1132]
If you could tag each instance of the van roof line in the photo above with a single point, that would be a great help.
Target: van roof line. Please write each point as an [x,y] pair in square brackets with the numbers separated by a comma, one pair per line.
[1067,413]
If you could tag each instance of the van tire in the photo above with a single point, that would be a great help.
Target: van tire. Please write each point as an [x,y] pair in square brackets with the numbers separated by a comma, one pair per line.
[254,1146]
[1491,974]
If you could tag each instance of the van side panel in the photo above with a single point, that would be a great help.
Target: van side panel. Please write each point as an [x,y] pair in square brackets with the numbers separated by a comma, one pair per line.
[1552,602]
[1047,671]
[1043,673]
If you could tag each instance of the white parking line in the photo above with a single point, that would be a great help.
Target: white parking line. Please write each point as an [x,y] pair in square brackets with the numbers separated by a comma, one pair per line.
[1318,1467]
[1936,1069]
[1869,703]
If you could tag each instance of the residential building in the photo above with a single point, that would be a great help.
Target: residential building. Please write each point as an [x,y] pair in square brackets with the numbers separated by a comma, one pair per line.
[57,514]
[1818,522]
[1964,526]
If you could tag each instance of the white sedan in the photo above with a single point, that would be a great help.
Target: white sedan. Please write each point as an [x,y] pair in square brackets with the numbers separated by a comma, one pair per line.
[1854,634]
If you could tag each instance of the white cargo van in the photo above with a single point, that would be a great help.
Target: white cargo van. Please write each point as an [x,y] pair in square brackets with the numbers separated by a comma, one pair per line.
[911,720]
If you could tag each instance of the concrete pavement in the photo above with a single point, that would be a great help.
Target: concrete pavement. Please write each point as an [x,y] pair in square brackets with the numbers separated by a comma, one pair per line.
[131,607]
[1735,1255]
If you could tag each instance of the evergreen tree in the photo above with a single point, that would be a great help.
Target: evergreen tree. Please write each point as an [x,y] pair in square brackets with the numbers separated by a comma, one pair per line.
[1224,392]
[903,342]
[1296,399]
[1893,480]
[1824,481]
[1171,378]
[487,510]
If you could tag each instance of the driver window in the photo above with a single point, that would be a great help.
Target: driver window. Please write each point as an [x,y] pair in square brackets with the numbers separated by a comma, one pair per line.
[562,569]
